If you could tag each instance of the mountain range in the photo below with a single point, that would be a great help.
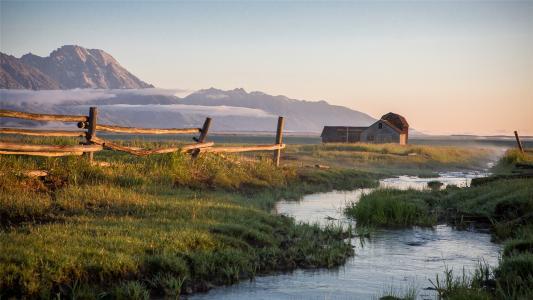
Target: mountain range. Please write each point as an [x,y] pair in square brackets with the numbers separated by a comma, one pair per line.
[301,115]
[72,78]
[68,67]
[14,74]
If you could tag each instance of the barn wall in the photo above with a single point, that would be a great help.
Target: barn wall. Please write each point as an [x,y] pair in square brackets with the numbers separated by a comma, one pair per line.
[374,134]
[338,135]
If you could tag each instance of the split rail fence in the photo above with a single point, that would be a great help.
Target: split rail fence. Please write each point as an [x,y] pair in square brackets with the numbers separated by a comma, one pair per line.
[88,127]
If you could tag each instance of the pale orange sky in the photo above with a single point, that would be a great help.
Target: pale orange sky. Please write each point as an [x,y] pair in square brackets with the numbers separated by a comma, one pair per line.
[449,67]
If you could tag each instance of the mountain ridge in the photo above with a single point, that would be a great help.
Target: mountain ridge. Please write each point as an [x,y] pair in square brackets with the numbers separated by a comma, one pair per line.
[69,67]
[16,75]
[300,114]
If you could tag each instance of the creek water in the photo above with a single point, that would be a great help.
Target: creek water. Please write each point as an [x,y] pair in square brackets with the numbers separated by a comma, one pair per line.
[388,260]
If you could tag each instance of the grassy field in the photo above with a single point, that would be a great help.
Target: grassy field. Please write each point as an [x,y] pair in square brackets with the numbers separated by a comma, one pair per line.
[391,159]
[166,225]
[504,205]
[157,226]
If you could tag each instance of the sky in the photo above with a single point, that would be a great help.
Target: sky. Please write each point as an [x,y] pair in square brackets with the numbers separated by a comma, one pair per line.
[449,67]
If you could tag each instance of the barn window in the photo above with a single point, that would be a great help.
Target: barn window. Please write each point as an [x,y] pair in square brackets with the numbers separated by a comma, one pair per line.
[380,125]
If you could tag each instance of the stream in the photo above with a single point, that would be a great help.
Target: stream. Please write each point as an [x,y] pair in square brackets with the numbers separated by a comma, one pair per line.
[389,260]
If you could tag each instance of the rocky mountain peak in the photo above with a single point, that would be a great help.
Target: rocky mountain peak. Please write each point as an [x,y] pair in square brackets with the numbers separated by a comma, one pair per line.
[73,66]
[16,75]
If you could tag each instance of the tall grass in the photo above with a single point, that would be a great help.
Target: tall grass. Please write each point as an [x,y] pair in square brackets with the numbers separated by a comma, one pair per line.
[386,207]
[504,204]
[391,293]
[156,226]
[512,157]
[465,286]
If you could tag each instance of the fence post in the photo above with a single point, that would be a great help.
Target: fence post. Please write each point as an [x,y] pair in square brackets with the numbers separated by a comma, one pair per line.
[204,130]
[91,128]
[279,140]
[203,136]
[518,142]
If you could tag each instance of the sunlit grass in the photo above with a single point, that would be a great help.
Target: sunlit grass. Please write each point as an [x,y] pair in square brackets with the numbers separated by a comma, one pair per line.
[156,226]
[512,157]
[391,158]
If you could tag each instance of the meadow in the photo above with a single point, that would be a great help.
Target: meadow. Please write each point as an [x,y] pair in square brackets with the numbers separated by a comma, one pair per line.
[505,206]
[165,225]
[391,159]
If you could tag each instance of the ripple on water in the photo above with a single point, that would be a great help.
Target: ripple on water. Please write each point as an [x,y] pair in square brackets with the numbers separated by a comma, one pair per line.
[397,258]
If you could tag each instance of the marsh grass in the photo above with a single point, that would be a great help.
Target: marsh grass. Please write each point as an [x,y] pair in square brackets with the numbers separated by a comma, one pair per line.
[393,208]
[512,279]
[391,159]
[410,292]
[165,225]
[505,205]
[465,286]
[506,165]
[157,226]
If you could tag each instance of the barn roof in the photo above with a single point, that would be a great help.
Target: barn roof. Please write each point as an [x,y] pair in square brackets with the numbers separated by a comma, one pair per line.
[397,121]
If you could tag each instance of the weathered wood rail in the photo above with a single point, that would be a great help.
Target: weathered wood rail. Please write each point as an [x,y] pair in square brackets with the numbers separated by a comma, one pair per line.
[41,117]
[120,129]
[89,127]
[49,148]
[52,133]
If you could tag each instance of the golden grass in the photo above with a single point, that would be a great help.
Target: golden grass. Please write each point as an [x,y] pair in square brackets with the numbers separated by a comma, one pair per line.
[390,159]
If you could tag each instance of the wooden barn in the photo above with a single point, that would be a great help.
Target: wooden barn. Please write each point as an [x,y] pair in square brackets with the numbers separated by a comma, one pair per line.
[391,128]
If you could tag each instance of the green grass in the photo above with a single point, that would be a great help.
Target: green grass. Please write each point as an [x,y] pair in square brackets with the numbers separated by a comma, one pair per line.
[506,165]
[391,293]
[165,225]
[157,226]
[392,208]
[506,205]
[465,286]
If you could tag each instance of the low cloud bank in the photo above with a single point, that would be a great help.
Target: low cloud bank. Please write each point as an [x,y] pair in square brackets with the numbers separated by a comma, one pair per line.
[158,108]
[55,97]
[185,109]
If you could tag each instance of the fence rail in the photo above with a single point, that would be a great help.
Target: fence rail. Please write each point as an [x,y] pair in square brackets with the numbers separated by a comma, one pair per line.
[51,133]
[120,129]
[143,152]
[49,148]
[90,127]
[233,149]
[41,117]
[39,153]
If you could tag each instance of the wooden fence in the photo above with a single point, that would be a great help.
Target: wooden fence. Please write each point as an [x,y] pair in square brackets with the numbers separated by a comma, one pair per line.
[89,126]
